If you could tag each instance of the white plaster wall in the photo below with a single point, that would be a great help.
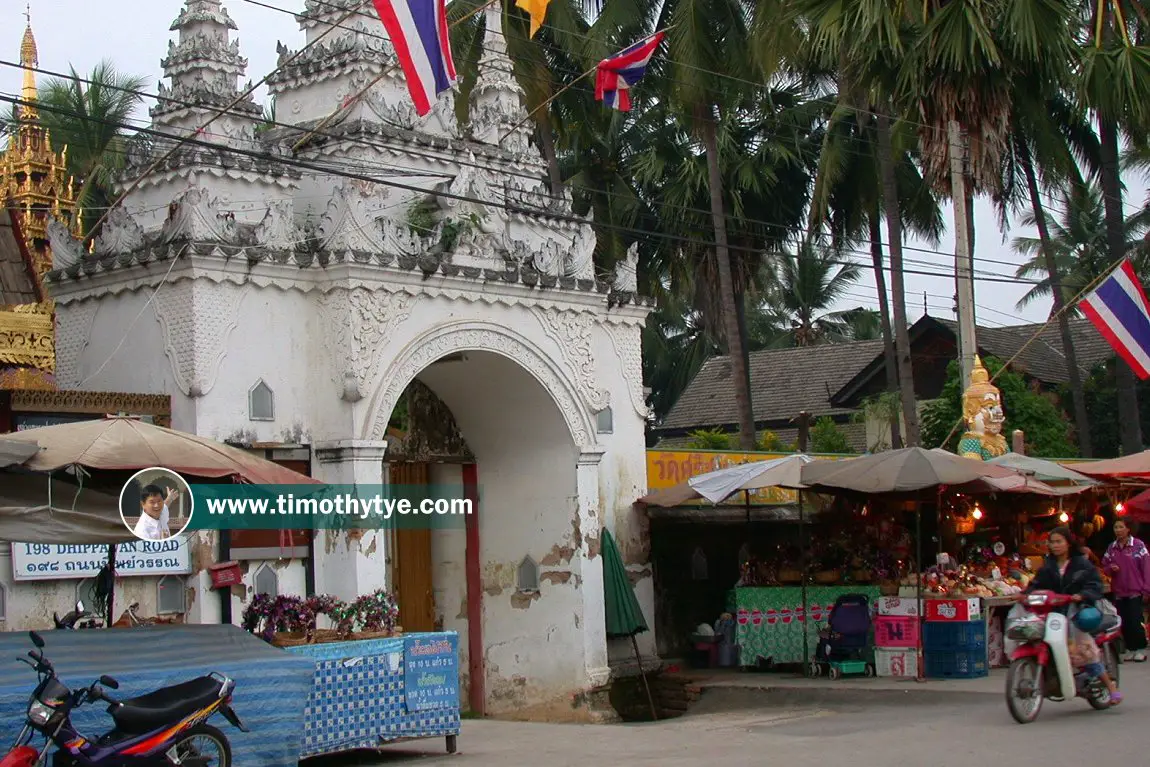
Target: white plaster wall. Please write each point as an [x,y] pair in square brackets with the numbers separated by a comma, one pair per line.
[29,604]
[449,576]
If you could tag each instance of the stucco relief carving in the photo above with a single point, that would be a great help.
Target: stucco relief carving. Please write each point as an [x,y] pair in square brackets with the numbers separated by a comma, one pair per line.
[572,331]
[627,271]
[196,217]
[278,230]
[119,234]
[358,324]
[197,319]
[73,331]
[628,343]
[356,221]
[65,248]
[453,339]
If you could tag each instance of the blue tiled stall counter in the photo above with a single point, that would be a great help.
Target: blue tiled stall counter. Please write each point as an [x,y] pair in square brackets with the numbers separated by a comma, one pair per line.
[377,691]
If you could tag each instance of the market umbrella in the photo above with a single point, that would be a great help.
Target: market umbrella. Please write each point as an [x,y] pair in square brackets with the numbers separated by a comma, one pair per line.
[624,616]
[128,444]
[1047,471]
[899,471]
[1128,466]
[14,453]
[1138,508]
[717,486]
[1020,484]
[35,508]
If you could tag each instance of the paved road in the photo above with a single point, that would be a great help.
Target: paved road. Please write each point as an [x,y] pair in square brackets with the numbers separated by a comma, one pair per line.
[753,728]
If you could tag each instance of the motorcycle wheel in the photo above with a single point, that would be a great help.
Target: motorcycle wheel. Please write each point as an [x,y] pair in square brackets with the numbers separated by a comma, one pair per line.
[191,745]
[1098,697]
[1024,691]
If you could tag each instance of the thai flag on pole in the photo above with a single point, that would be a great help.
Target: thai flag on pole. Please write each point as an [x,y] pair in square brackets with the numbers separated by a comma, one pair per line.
[1119,309]
[616,74]
[418,31]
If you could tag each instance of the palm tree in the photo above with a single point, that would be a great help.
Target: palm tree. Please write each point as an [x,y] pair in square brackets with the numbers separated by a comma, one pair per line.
[87,115]
[802,290]
[1113,82]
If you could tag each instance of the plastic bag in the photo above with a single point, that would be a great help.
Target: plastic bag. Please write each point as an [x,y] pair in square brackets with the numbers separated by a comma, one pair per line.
[1010,645]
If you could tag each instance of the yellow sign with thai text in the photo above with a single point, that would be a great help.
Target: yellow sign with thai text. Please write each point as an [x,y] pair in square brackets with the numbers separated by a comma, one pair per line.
[667,468]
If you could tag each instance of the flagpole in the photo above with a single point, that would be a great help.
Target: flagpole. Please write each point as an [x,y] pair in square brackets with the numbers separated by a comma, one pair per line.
[1054,316]
[571,84]
[386,71]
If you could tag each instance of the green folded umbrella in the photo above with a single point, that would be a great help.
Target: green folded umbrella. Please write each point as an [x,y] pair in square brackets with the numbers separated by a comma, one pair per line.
[624,616]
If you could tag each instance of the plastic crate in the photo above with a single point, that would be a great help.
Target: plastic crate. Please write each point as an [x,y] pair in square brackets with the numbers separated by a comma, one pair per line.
[897,663]
[954,637]
[896,631]
[961,664]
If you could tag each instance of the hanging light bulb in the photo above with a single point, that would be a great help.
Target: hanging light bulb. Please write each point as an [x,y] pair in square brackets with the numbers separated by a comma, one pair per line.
[1120,508]
[977,513]
[1064,517]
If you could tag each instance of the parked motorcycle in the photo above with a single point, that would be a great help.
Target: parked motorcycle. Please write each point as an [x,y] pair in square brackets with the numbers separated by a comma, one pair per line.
[77,619]
[1040,668]
[165,727]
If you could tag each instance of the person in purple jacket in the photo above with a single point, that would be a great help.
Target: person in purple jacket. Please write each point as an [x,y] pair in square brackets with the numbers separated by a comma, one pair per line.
[1127,562]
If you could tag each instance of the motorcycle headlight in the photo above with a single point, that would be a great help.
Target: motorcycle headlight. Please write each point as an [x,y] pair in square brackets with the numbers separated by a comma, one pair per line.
[38,713]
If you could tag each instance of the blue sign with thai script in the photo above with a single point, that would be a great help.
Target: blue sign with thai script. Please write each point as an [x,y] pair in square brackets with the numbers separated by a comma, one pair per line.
[431,671]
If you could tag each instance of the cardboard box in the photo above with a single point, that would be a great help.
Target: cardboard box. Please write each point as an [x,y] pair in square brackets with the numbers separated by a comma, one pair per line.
[953,610]
[900,664]
[900,606]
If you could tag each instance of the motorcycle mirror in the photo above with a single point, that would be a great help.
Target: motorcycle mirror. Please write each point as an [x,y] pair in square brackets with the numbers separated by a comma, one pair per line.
[108,681]
[36,639]
[79,606]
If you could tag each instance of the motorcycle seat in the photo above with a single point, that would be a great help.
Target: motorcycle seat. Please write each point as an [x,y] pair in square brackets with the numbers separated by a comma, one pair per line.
[165,706]
[1108,623]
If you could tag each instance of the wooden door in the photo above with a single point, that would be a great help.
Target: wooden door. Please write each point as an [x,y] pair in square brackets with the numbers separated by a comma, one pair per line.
[412,568]
[273,544]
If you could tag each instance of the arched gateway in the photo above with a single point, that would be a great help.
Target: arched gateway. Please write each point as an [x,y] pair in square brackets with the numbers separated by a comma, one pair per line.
[288,300]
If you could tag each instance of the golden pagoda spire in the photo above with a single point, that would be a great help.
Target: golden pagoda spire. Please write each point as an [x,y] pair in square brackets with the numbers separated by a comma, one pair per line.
[29,60]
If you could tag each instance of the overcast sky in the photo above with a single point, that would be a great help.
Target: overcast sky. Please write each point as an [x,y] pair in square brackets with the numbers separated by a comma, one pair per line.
[135,33]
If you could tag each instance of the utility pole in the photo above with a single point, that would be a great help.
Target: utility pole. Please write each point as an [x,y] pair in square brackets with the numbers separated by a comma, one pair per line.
[804,420]
[963,273]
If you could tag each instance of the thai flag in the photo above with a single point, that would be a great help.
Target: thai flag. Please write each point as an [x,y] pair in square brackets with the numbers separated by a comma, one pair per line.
[616,74]
[1119,309]
[418,31]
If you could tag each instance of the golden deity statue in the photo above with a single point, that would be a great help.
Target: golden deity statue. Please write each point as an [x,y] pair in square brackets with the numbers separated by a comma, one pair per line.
[982,412]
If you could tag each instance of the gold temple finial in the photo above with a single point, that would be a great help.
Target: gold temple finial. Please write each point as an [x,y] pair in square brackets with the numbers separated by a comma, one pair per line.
[29,60]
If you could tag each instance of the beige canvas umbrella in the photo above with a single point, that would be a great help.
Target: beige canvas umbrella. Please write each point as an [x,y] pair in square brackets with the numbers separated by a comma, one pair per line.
[900,471]
[1136,466]
[128,444]
[14,453]
[37,509]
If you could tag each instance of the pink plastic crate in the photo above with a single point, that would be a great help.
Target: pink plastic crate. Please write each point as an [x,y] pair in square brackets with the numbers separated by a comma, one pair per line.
[896,631]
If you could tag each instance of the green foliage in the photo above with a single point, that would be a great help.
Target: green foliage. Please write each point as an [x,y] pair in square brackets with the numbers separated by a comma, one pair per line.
[769,442]
[1038,414]
[1102,410]
[826,437]
[709,439]
[421,219]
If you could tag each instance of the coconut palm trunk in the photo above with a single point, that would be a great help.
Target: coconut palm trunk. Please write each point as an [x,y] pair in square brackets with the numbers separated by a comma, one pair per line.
[890,361]
[1129,424]
[898,288]
[1081,419]
[727,305]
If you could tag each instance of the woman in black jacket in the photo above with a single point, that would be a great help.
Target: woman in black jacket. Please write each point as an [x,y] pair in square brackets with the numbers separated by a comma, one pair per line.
[1067,571]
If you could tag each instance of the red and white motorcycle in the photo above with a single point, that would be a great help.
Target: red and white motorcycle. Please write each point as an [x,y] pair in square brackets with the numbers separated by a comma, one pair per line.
[1040,667]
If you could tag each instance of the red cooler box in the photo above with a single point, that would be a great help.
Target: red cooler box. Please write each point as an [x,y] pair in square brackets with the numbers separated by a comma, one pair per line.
[953,610]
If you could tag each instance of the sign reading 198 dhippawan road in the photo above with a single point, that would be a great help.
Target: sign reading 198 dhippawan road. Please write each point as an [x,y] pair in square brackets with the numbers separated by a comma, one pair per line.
[47,561]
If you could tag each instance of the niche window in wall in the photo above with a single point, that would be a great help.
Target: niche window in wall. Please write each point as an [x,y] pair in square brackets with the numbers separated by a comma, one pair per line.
[699,565]
[86,593]
[261,402]
[605,421]
[528,575]
[266,581]
[171,595]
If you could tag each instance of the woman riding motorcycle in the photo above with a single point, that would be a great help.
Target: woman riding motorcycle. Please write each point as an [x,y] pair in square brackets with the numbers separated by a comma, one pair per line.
[1067,571]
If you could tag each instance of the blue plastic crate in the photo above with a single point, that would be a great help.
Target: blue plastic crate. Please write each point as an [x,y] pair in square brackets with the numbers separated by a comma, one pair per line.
[954,637]
[963,664]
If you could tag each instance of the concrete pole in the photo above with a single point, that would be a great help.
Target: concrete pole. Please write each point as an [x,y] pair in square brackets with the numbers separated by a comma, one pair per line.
[967,343]
[1018,442]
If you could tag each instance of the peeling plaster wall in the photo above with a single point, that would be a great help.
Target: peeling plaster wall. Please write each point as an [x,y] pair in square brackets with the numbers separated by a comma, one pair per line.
[528,500]
[449,575]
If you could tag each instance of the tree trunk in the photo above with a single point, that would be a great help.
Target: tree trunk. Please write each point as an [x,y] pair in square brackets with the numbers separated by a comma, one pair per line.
[1129,424]
[1081,419]
[898,289]
[547,144]
[727,288]
[888,353]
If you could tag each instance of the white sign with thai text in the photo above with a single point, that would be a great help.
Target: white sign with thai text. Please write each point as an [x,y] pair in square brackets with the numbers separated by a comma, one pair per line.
[46,561]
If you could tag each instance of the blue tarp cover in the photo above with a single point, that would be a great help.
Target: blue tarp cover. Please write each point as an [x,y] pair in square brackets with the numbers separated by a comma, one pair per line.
[272,686]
